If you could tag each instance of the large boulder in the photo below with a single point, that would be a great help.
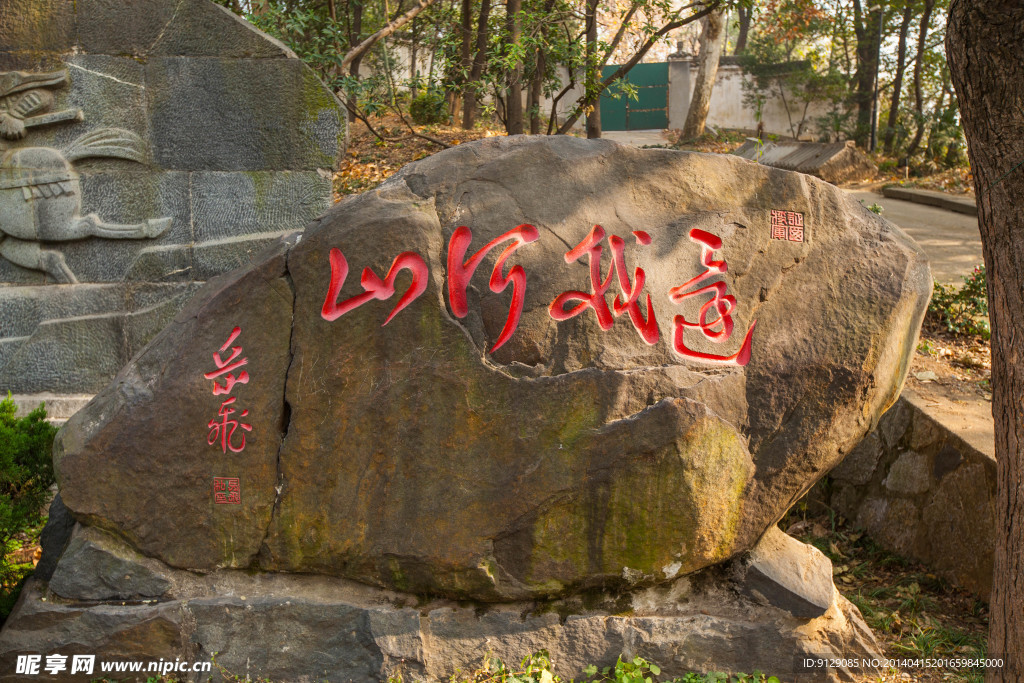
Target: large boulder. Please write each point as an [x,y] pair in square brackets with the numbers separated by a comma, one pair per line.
[507,431]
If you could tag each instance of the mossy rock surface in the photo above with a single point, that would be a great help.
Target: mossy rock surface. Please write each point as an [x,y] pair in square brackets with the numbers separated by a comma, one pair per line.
[576,455]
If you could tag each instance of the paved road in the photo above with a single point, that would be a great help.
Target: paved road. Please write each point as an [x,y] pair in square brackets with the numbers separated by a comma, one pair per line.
[951,240]
[635,137]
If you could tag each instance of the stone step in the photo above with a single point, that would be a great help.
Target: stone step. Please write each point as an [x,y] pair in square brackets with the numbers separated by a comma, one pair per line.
[964,204]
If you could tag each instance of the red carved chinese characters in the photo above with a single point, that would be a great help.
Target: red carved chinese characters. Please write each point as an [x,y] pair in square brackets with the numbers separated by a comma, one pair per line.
[374,287]
[460,273]
[714,319]
[227,491]
[225,429]
[720,304]
[787,225]
[591,246]
[228,366]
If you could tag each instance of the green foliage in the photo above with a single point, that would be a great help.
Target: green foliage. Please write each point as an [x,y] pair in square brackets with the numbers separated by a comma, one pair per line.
[786,60]
[963,310]
[716,677]
[26,474]
[636,670]
[430,107]
[316,38]
[536,668]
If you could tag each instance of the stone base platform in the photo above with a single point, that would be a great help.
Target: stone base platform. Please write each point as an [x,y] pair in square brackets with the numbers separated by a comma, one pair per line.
[766,610]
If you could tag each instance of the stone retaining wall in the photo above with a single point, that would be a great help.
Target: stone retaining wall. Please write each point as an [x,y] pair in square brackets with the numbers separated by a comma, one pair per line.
[921,491]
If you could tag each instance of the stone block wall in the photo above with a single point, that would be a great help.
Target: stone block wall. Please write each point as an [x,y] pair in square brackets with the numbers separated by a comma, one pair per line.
[237,141]
[923,492]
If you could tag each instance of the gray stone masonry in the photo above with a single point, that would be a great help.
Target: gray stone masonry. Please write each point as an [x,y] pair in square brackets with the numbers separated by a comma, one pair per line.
[105,598]
[145,146]
[924,492]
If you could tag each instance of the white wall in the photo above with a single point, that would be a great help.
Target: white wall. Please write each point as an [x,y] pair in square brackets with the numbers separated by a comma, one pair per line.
[729,110]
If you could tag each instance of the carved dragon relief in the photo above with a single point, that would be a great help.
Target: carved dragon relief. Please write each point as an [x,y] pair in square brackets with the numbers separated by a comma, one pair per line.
[40,192]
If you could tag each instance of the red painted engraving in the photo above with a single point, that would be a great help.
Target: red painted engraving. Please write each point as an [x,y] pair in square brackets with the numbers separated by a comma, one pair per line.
[779,227]
[227,491]
[591,247]
[795,221]
[225,429]
[721,303]
[227,366]
[460,273]
[787,225]
[374,287]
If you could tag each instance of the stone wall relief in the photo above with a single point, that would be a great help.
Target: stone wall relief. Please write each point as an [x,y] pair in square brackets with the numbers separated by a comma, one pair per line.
[40,192]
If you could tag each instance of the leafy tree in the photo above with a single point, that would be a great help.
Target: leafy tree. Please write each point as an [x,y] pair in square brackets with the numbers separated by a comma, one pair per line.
[790,58]
[26,475]
[661,17]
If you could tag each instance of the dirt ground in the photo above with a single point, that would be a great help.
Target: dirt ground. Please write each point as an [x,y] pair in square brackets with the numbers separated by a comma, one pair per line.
[369,160]
[962,365]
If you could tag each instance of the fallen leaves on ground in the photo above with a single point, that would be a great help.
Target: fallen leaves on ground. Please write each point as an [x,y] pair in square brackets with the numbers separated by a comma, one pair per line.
[717,141]
[962,365]
[952,180]
[913,613]
[369,161]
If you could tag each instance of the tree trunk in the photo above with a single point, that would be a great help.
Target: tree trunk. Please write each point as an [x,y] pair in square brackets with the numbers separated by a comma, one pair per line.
[537,89]
[514,96]
[866,28]
[465,56]
[593,72]
[712,38]
[355,29]
[540,67]
[412,59]
[987,66]
[897,82]
[918,96]
[744,28]
[479,61]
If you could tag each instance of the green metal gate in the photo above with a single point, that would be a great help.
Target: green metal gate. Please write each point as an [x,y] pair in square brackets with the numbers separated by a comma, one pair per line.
[649,110]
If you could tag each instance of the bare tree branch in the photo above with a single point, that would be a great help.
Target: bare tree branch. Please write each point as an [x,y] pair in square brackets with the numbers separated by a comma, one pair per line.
[389,28]
[620,33]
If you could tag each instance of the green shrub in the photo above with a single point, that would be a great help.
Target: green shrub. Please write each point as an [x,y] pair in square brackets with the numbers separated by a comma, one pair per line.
[430,107]
[26,474]
[963,310]
[537,668]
